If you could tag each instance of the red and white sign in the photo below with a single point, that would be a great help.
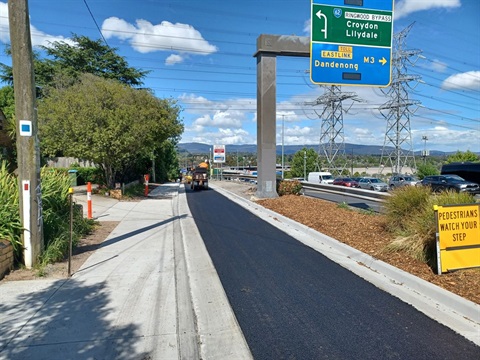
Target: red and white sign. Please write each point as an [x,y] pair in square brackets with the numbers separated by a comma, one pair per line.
[219,154]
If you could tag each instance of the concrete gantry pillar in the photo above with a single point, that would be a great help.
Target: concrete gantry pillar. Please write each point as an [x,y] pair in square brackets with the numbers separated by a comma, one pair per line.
[266,127]
[268,47]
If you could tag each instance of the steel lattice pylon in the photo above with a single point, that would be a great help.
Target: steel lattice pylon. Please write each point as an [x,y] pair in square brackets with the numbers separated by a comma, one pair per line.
[397,149]
[332,138]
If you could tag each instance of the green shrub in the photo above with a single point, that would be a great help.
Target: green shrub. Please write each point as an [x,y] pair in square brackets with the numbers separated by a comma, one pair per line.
[56,217]
[10,223]
[290,187]
[134,191]
[55,213]
[94,175]
[411,218]
[84,174]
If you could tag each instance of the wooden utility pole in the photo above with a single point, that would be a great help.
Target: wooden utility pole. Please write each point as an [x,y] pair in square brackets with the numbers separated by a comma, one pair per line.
[28,150]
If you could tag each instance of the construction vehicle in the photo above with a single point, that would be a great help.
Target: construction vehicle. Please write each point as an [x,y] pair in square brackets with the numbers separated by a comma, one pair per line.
[200,176]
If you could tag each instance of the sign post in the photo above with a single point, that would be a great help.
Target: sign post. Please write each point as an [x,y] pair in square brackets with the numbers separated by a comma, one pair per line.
[458,237]
[219,155]
[351,42]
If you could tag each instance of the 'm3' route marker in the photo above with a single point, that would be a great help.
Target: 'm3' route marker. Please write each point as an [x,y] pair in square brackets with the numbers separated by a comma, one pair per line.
[351,42]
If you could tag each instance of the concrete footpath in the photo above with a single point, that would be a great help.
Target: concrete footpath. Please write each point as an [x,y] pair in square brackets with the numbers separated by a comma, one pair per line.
[149,292]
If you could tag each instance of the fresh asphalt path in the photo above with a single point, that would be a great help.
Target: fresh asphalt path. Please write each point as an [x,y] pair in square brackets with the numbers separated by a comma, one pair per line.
[293,303]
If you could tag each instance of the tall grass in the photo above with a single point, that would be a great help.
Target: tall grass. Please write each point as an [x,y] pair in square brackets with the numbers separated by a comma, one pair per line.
[55,213]
[56,216]
[411,219]
[10,224]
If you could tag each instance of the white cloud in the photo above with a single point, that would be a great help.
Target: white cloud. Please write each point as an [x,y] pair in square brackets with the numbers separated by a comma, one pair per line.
[146,37]
[299,135]
[223,136]
[220,120]
[307,26]
[39,38]
[405,7]
[287,115]
[174,59]
[446,139]
[464,81]
[438,66]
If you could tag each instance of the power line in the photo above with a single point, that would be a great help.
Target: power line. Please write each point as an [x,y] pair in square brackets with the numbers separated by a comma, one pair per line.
[95,21]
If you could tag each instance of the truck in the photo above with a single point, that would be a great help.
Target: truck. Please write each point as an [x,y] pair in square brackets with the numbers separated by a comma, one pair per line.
[467,170]
[320,177]
[200,175]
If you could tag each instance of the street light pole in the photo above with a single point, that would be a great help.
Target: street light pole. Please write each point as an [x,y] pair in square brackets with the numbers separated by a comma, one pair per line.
[304,166]
[351,173]
[425,138]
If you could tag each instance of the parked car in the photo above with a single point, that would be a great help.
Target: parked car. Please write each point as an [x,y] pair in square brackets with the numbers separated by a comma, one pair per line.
[402,180]
[345,181]
[371,183]
[450,182]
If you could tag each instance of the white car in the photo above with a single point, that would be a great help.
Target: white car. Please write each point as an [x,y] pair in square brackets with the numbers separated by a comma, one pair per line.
[371,183]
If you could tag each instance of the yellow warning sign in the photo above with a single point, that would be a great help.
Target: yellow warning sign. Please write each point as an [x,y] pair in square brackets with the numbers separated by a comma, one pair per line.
[458,236]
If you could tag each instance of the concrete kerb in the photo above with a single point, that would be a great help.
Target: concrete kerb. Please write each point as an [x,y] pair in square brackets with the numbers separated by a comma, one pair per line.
[219,334]
[451,310]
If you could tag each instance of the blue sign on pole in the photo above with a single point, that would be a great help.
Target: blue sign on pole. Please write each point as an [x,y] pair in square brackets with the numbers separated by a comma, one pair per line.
[351,42]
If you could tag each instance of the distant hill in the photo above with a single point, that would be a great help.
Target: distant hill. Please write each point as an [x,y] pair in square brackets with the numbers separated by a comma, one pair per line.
[199,148]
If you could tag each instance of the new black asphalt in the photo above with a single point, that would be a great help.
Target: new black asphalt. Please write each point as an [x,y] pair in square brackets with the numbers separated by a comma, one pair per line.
[293,303]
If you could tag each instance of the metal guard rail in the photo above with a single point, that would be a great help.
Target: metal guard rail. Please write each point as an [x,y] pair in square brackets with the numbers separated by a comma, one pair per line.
[334,189]
[344,190]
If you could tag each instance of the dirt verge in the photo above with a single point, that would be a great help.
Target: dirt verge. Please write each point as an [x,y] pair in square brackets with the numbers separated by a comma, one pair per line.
[80,254]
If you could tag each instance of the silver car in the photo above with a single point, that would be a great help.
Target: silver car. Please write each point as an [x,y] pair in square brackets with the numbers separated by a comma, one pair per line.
[402,180]
[371,183]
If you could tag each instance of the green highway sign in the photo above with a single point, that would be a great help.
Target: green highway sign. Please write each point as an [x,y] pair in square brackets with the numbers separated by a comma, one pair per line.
[352,26]
[351,42]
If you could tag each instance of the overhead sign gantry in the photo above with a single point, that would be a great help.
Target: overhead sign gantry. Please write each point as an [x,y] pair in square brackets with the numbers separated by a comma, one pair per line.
[351,42]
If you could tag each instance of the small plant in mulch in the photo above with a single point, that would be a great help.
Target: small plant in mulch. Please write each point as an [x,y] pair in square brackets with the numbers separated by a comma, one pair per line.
[411,219]
[290,187]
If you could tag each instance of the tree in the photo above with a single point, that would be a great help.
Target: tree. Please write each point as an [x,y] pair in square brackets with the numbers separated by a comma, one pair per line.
[167,168]
[64,63]
[426,170]
[297,164]
[7,124]
[462,157]
[106,122]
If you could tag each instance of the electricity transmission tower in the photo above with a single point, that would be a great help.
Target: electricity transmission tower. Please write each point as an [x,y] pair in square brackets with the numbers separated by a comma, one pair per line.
[397,149]
[332,138]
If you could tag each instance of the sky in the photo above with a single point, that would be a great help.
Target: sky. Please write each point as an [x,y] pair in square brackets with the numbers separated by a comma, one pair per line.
[200,53]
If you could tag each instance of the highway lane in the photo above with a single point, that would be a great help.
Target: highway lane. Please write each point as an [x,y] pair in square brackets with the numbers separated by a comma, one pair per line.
[293,303]
[353,201]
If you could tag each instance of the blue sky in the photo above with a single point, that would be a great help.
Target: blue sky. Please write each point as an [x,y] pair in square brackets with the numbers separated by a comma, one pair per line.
[201,53]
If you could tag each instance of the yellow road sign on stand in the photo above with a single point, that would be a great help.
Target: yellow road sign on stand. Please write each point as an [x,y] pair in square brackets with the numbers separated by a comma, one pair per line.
[458,236]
